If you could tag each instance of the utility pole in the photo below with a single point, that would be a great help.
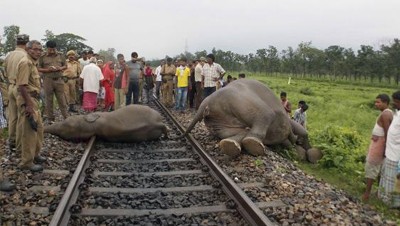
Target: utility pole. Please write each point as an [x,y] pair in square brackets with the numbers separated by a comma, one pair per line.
[186,47]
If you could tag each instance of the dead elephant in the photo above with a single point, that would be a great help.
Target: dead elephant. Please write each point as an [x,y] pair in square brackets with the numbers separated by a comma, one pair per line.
[247,114]
[133,123]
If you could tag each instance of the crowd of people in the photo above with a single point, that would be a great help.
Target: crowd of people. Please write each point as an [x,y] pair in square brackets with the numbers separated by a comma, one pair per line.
[93,84]
[82,84]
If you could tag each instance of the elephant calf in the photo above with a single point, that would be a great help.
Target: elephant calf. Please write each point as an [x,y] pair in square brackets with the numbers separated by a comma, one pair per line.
[132,123]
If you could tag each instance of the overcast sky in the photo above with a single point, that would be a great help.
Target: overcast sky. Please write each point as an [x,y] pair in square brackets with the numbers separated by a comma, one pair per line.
[155,28]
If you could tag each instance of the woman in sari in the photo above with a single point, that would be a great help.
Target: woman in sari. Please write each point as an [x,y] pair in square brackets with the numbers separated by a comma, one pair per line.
[109,76]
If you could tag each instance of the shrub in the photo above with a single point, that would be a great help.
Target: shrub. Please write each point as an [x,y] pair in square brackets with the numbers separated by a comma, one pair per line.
[342,148]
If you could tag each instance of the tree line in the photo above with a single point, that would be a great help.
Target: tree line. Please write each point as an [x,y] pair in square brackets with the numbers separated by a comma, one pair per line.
[337,62]
[382,65]
[334,62]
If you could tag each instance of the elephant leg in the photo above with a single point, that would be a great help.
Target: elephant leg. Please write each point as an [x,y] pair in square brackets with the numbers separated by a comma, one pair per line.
[253,145]
[232,145]
[253,142]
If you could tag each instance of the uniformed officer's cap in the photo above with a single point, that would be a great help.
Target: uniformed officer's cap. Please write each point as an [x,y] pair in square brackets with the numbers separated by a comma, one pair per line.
[23,38]
[71,52]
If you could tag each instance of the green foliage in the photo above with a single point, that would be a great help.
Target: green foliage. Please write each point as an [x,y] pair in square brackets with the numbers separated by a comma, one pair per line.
[365,105]
[107,55]
[67,41]
[4,133]
[10,33]
[258,162]
[340,145]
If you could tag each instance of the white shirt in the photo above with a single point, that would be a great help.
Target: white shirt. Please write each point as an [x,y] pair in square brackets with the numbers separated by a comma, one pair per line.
[198,70]
[91,75]
[83,62]
[158,73]
[392,151]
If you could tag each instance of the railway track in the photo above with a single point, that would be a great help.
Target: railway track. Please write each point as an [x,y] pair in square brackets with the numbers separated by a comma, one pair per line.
[165,182]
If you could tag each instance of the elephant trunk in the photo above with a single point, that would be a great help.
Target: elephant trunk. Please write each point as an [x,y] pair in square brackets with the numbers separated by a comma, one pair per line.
[52,129]
[304,142]
[301,133]
[71,130]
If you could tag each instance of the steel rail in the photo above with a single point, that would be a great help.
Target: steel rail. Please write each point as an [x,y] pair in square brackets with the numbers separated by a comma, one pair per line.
[250,212]
[62,214]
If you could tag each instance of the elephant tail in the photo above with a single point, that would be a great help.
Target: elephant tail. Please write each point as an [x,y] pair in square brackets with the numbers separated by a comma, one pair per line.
[197,118]
[164,131]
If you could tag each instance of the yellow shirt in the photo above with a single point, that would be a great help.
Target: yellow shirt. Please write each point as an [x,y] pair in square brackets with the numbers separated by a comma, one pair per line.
[182,76]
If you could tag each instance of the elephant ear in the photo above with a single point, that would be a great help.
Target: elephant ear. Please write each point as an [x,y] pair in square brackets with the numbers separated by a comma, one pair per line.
[92,117]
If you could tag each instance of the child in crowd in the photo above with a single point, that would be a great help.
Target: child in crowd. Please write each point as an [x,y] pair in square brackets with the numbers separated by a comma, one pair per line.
[300,115]
[286,104]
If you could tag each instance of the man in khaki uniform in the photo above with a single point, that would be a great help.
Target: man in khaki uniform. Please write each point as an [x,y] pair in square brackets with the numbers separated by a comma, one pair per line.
[71,74]
[11,70]
[168,73]
[51,65]
[30,121]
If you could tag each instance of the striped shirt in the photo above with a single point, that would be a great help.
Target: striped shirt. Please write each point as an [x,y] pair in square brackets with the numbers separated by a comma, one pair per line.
[211,73]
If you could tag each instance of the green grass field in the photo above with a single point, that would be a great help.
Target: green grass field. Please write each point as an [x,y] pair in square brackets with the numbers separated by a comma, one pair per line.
[340,119]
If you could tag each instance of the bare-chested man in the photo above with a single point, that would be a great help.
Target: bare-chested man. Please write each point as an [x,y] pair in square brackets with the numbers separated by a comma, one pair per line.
[376,151]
